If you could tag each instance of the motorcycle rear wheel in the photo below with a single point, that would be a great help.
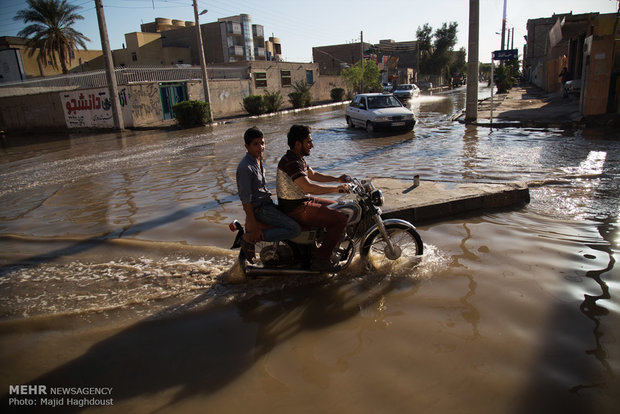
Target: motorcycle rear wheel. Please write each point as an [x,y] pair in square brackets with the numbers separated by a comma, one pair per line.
[373,253]
[267,256]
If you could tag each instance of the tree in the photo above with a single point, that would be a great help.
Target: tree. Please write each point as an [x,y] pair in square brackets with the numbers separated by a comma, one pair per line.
[506,75]
[436,55]
[52,32]
[424,36]
[459,64]
[371,75]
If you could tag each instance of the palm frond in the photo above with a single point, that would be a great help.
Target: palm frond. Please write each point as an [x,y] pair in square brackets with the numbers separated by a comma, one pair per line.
[51,33]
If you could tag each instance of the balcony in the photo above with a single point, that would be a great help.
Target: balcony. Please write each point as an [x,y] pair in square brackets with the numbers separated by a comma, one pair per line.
[236,51]
[258,30]
[233,28]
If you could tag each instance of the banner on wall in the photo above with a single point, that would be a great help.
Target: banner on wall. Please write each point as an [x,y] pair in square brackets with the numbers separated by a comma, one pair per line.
[92,108]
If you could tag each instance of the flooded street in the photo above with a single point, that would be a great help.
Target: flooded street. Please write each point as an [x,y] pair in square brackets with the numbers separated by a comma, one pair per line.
[113,252]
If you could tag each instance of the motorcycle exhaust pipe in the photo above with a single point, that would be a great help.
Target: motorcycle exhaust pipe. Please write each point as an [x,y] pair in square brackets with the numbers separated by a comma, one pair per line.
[252,271]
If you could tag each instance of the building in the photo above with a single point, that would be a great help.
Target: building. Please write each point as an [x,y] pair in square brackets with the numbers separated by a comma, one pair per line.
[585,44]
[230,39]
[157,68]
[332,59]
[398,61]
[148,49]
[17,64]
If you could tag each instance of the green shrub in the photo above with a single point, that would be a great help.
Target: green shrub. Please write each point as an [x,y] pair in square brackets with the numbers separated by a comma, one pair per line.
[191,113]
[254,104]
[301,97]
[296,99]
[273,101]
[337,94]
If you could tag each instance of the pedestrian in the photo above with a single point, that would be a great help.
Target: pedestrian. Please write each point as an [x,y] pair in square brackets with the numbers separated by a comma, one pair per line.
[295,181]
[564,77]
[263,219]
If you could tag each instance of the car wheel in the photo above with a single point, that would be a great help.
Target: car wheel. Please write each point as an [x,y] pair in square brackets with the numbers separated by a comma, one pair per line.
[350,123]
[370,127]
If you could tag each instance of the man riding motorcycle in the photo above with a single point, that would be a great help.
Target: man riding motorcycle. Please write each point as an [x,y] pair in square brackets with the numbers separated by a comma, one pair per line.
[295,181]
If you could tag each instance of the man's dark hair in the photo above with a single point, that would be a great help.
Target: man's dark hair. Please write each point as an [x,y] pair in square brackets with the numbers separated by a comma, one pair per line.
[297,133]
[251,134]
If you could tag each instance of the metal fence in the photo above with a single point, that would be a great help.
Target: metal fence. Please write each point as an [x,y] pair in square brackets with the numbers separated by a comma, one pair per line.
[124,76]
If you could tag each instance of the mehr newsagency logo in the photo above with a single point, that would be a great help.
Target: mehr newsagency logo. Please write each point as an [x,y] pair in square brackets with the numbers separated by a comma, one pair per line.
[45,396]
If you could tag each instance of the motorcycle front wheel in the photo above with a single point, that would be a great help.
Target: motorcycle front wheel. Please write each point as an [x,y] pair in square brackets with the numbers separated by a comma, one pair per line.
[406,240]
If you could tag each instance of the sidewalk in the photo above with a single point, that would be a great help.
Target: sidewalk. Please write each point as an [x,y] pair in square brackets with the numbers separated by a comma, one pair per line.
[529,106]
[433,200]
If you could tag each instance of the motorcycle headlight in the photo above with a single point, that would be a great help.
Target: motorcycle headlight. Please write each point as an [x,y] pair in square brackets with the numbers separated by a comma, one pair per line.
[377,198]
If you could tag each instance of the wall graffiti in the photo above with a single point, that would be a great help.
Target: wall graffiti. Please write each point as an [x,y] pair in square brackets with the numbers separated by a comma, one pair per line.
[93,108]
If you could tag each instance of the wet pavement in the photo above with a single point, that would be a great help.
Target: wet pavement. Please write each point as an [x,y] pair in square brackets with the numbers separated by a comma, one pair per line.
[113,248]
[529,106]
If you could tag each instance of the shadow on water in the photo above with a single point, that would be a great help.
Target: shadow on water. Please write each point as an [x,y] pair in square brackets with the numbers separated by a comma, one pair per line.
[201,351]
[566,378]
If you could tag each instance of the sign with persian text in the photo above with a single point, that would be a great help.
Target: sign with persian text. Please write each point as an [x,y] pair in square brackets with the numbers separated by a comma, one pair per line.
[91,108]
[509,54]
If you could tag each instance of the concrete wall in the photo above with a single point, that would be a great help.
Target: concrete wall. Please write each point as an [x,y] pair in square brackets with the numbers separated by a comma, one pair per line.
[227,96]
[41,112]
[141,102]
[321,91]
[597,71]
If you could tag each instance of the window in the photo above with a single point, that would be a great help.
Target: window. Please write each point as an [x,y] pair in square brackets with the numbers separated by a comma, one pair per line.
[309,77]
[260,79]
[134,56]
[285,75]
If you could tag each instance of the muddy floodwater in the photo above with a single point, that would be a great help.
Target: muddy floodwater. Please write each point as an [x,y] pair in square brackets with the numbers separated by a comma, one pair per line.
[114,263]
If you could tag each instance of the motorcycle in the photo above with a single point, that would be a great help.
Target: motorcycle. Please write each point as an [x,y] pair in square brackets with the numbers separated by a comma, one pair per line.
[379,241]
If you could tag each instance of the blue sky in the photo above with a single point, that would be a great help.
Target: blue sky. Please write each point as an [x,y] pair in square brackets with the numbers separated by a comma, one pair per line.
[300,25]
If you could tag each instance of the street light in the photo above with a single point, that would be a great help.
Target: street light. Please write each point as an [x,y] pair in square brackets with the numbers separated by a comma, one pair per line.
[201,54]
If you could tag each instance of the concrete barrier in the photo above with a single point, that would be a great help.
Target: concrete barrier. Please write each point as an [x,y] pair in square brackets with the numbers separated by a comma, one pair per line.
[432,200]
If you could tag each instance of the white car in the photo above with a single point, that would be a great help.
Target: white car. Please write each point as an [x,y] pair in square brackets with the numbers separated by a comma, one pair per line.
[407,91]
[375,111]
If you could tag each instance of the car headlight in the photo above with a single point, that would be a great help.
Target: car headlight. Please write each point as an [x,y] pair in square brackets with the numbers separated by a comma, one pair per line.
[381,119]
[409,116]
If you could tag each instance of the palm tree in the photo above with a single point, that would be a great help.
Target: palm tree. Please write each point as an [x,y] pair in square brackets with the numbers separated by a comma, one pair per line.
[51,31]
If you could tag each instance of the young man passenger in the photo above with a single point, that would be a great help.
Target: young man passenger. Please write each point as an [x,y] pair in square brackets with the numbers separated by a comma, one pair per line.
[294,188]
[256,199]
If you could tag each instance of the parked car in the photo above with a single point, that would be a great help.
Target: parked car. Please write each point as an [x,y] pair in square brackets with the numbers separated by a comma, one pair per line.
[572,87]
[458,80]
[375,111]
[388,87]
[407,91]
[425,85]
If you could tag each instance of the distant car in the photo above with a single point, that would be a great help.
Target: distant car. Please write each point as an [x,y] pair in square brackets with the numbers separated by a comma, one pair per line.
[388,87]
[376,111]
[425,85]
[458,80]
[407,91]
[572,87]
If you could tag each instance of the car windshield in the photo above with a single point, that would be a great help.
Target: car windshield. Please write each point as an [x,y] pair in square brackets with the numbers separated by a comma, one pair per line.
[405,87]
[387,101]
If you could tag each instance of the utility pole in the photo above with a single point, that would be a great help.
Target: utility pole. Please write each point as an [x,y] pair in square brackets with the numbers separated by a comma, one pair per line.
[504,25]
[471,105]
[117,116]
[362,52]
[201,55]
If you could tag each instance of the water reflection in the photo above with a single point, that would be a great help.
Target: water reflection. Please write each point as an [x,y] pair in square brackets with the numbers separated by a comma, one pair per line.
[469,313]
[470,152]
[520,305]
